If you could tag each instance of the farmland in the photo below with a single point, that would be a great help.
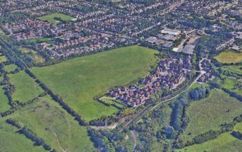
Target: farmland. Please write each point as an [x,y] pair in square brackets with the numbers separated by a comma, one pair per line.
[9,136]
[223,143]
[3,101]
[120,76]
[232,84]
[25,88]
[80,80]
[217,109]
[228,57]
[235,69]
[48,121]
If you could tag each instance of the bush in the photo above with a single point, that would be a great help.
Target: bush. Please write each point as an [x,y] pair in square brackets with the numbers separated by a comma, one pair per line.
[178,113]
[237,135]
[199,93]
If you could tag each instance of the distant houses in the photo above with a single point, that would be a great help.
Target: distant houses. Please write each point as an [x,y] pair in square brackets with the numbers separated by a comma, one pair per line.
[170,73]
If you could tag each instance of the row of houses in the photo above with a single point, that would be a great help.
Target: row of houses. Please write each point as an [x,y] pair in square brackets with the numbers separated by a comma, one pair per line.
[169,74]
[208,72]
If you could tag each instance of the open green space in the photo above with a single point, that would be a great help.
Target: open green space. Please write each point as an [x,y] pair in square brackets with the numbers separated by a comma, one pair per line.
[3,59]
[223,143]
[111,101]
[4,106]
[32,54]
[10,141]
[25,87]
[10,68]
[209,113]
[81,79]
[198,85]
[228,57]
[26,50]
[231,84]
[238,127]
[50,122]
[233,68]
[55,18]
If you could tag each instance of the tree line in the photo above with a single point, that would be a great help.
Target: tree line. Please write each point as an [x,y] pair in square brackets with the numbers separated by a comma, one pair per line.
[30,135]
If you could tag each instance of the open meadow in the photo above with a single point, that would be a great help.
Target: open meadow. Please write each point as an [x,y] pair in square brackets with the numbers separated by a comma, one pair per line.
[216,109]
[4,106]
[223,143]
[233,68]
[10,68]
[232,84]
[228,57]
[80,80]
[55,126]
[3,59]
[14,142]
[25,87]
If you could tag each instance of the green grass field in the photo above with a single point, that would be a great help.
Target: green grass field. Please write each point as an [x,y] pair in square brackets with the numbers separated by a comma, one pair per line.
[55,17]
[238,127]
[233,68]
[10,141]
[227,82]
[111,101]
[210,113]
[232,84]
[3,59]
[223,143]
[228,57]
[81,79]
[50,122]
[4,106]
[10,68]
[25,87]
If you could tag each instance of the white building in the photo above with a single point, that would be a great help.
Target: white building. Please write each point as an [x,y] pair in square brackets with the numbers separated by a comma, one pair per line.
[171,32]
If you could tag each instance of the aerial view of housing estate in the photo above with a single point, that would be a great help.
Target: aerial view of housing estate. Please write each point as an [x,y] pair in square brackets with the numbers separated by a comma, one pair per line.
[120,75]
